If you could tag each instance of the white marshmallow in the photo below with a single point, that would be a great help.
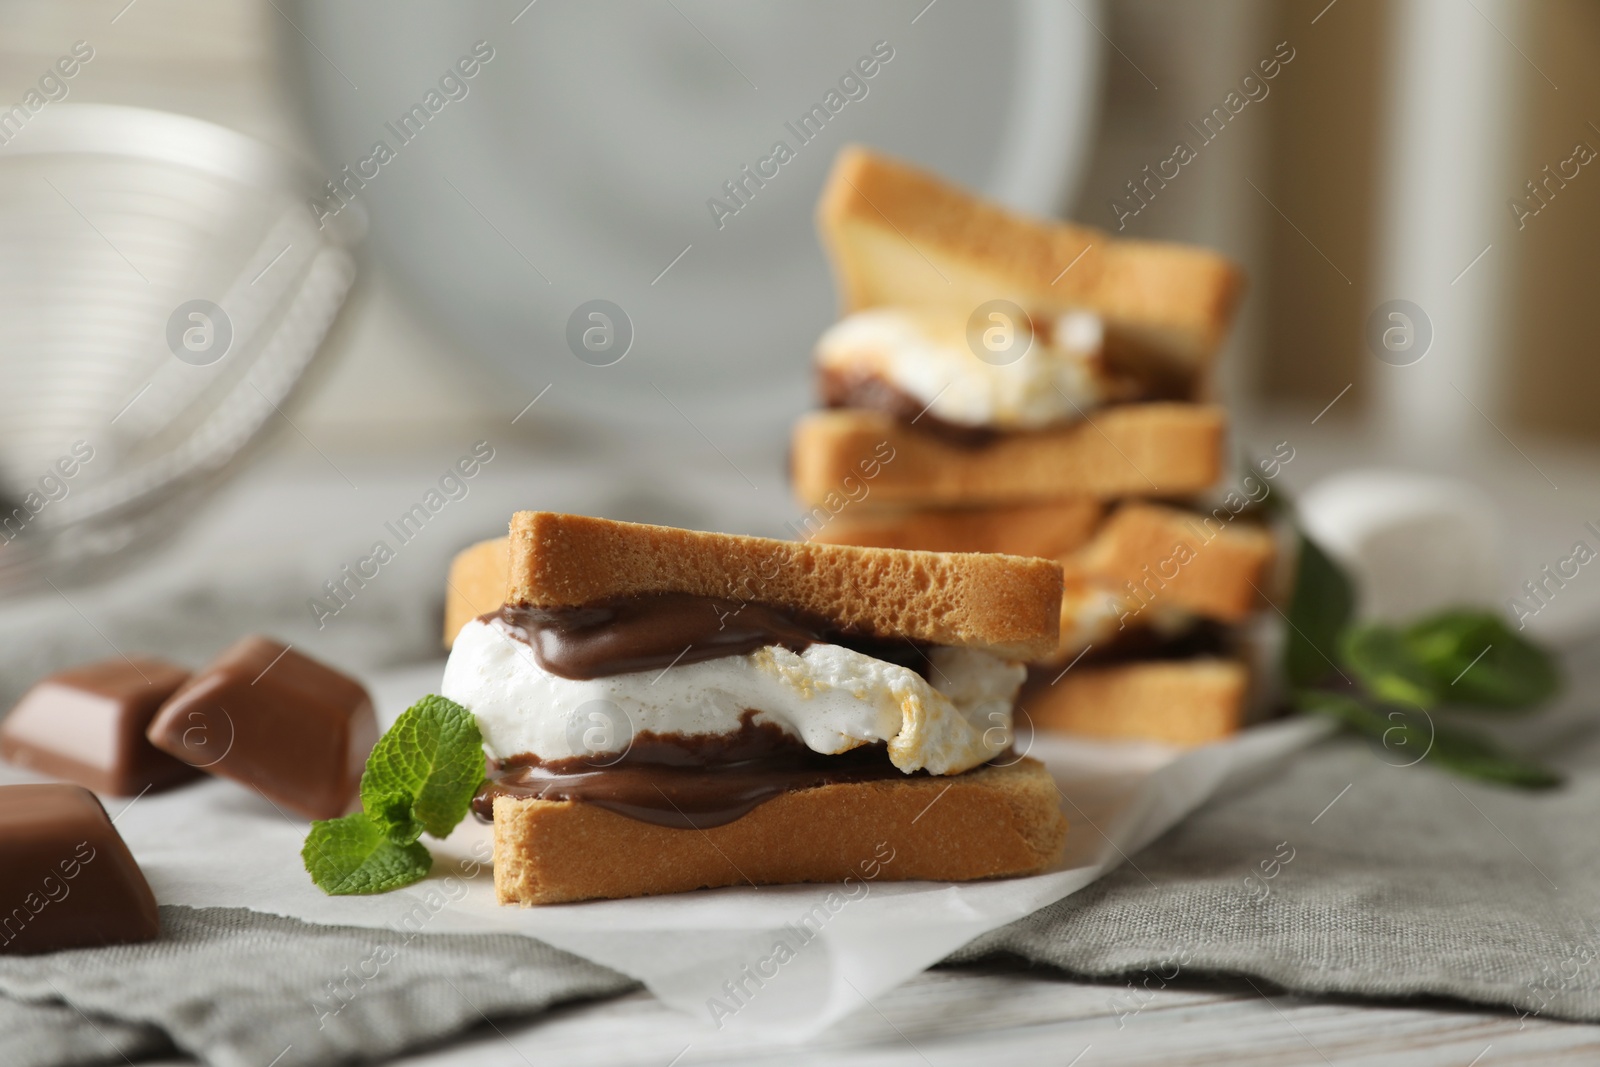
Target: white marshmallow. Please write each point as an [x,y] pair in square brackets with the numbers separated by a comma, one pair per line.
[831,698]
[927,357]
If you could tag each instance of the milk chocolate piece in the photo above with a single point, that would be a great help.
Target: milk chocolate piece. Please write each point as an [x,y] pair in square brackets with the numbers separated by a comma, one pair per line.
[279,722]
[88,724]
[67,880]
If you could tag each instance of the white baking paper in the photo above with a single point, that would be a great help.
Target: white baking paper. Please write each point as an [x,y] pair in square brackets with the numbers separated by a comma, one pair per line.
[711,953]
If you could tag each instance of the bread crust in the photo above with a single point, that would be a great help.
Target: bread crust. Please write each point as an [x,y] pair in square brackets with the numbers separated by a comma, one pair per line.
[1054,529]
[1006,605]
[1218,574]
[476,584]
[1180,702]
[1182,559]
[899,235]
[990,822]
[1134,449]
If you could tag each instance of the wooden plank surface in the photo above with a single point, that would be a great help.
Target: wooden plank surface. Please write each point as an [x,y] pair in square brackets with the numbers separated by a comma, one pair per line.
[1012,1017]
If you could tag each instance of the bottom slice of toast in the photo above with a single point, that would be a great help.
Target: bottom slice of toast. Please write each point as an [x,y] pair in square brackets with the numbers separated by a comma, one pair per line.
[990,822]
[1180,702]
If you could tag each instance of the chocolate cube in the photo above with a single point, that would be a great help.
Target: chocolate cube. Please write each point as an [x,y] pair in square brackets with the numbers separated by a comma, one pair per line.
[67,880]
[88,724]
[277,721]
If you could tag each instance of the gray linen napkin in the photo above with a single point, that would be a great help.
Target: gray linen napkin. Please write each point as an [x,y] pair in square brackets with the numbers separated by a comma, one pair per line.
[236,988]
[1413,882]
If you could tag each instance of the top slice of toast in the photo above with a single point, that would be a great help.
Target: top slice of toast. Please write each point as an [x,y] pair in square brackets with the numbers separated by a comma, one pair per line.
[901,236]
[1006,605]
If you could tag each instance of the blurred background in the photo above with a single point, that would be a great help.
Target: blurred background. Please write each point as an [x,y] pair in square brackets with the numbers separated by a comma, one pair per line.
[1427,151]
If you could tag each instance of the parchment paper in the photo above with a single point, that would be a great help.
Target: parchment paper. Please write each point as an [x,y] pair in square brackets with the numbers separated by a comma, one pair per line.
[712,953]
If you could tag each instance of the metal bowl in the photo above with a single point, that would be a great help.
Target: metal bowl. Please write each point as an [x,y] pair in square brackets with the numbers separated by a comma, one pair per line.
[164,285]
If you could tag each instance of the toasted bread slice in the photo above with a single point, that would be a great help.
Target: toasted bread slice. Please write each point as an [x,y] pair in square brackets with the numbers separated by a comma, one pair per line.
[1006,605]
[996,821]
[1054,529]
[1180,702]
[1181,559]
[476,584]
[1135,449]
[479,575]
[900,236]
[1214,567]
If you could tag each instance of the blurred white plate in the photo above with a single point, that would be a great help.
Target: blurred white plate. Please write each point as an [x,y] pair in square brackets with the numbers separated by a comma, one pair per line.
[579,163]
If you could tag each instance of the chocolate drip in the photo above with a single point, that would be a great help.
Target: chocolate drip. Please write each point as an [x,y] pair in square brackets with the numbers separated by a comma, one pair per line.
[687,781]
[654,631]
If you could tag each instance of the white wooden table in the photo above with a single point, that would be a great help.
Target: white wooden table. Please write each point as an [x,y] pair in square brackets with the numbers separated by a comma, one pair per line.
[1013,1017]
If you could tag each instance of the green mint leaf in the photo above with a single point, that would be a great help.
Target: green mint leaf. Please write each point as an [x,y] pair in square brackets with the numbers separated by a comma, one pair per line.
[355,855]
[393,814]
[1385,664]
[1319,610]
[1412,736]
[1405,735]
[1473,755]
[420,776]
[1477,660]
[433,755]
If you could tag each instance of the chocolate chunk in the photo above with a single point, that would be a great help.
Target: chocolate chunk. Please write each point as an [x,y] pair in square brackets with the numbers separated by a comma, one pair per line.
[87,725]
[279,722]
[66,878]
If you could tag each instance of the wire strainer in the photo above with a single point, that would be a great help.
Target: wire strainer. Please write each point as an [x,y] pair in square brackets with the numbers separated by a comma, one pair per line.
[164,284]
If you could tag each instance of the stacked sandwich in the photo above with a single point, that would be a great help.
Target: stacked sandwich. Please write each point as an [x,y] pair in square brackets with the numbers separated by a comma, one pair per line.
[666,710]
[1000,384]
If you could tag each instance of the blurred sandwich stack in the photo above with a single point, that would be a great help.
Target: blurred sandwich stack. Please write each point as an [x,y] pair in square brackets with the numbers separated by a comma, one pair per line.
[1002,384]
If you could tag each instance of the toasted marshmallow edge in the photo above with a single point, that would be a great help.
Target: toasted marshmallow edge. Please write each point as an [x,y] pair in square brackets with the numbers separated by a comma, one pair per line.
[927,355]
[831,698]
[1092,613]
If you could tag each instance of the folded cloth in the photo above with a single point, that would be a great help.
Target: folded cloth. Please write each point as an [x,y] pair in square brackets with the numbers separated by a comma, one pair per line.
[49,1035]
[1354,873]
[236,988]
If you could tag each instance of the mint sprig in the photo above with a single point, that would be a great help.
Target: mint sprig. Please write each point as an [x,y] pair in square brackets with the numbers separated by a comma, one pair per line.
[1385,681]
[1412,735]
[425,769]
[1378,657]
[421,776]
[1324,600]
[355,855]
[1460,657]
[1476,660]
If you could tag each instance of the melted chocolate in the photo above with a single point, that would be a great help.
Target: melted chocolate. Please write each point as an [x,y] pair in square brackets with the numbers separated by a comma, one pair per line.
[654,631]
[844,390]
[684,781]
[1203,637]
